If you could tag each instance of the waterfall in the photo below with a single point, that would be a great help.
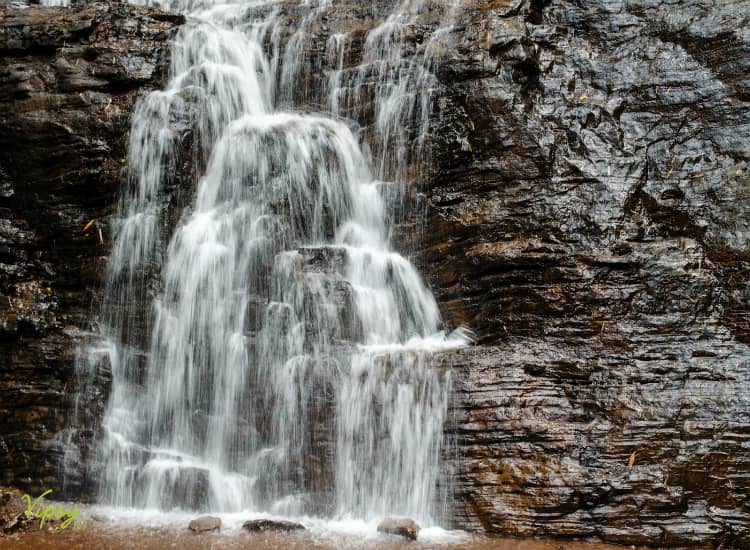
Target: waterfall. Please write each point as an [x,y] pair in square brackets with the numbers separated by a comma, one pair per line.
[270,350]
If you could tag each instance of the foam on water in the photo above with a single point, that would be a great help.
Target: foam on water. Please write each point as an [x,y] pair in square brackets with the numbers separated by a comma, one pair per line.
[354,531]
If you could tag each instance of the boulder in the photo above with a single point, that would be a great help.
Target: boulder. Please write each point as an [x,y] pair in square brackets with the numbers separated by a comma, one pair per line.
[403,527]
[271,525]
[204,523]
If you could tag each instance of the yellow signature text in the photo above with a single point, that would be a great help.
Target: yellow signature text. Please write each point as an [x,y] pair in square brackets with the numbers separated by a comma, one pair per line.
[37,509]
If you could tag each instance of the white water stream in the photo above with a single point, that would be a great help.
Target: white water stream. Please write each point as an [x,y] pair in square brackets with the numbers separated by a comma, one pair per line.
[285,363]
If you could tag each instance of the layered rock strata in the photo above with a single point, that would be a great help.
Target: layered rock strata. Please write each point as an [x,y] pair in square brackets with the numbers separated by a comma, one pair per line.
[69,79]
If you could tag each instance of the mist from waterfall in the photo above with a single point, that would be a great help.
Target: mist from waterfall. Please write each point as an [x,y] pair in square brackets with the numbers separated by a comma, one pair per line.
[270,350]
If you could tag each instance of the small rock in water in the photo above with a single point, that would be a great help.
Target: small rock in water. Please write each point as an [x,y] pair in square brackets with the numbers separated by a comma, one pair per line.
[265,525]
[205,523]
[13,524]
[403,527]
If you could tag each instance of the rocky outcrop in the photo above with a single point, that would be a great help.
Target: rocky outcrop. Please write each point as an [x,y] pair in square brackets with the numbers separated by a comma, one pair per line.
[593,231]
[584,209]
[68,81]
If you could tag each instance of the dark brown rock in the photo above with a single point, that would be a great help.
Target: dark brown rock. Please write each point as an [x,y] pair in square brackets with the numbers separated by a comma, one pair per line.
[272,526]
[402,527]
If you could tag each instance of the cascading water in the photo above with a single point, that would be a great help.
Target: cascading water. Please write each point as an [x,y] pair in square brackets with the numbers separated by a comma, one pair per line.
[285,367]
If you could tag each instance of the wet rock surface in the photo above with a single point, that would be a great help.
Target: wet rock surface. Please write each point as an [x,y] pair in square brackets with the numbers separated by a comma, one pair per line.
[68,81]
[205,523]
[271,526]
[584,211]
[593,231]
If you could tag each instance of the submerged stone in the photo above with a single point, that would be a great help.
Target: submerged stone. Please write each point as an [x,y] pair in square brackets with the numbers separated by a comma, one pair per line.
[272,525]
[402,527]
[204,523]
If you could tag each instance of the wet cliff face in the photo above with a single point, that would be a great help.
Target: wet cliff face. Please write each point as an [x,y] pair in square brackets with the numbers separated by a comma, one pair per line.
[589,220]
[584,211]
[68,83]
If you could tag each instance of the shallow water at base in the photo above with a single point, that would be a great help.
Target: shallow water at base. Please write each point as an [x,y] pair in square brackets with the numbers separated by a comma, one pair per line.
[99,527]
[106,535]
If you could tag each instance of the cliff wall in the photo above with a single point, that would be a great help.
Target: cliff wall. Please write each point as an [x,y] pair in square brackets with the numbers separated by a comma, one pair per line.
[584,210]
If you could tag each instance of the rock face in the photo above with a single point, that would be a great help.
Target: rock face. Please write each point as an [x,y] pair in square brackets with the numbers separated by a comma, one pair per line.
[402,527]
[594,232]
[585,211]
[68,82]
